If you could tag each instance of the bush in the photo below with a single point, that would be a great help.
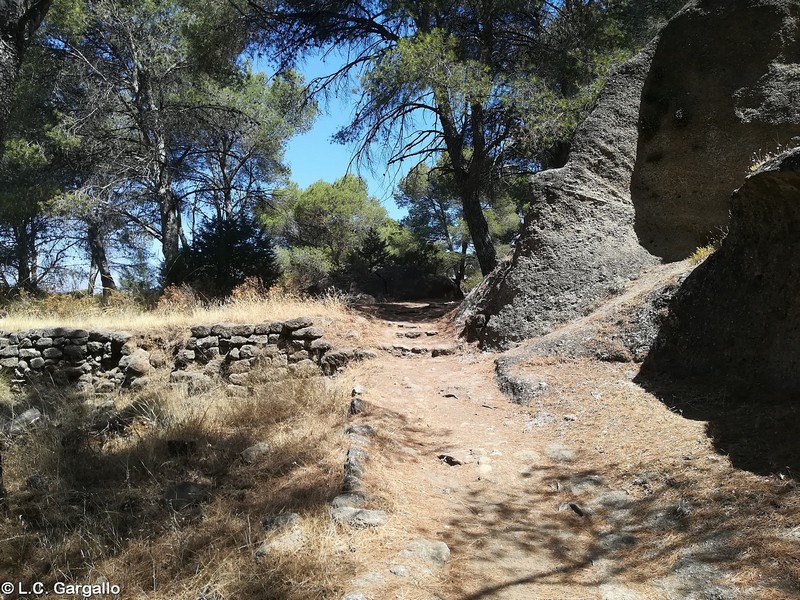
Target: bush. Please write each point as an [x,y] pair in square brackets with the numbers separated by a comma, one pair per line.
[304,267]
[224,255]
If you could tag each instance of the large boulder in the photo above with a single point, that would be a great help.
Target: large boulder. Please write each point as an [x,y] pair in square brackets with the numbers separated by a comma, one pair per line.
[724,84]
[736,319]
[578,243]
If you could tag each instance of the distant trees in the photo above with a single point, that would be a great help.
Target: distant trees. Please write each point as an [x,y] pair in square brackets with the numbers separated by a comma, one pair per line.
[320,227]
[435,216]
[152,133]
[142,121]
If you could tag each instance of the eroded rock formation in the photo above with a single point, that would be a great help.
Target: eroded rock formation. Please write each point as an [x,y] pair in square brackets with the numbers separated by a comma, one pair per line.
[724,84]
[736,319]
[652,168]
[578,244]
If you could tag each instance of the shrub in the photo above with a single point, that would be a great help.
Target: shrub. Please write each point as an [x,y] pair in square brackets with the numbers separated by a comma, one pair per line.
[303,267]
[224,255]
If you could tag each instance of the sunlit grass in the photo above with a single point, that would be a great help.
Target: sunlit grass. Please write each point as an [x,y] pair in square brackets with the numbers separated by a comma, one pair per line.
[176,310]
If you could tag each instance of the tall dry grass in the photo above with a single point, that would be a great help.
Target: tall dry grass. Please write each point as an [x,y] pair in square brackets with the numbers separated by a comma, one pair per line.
[177,309]
[86,504]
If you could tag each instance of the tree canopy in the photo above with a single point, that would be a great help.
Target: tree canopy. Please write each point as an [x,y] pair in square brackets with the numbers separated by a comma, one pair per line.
[497,86]
[334,217]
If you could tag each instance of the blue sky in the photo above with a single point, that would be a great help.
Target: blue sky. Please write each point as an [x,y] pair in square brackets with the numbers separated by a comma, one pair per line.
[314,156]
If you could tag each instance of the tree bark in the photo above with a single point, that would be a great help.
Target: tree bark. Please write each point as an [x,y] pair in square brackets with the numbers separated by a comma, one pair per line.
[22,247]
[97,250]
[468,176]
[170,227]
[9,67]
[478,226]
[462,265]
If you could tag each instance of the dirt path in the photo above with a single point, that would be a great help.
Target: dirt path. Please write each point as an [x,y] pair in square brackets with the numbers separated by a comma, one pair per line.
[598,491]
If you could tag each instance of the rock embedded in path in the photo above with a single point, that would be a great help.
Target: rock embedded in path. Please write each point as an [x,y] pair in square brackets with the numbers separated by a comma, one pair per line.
[291,540]
[429,551]
[351,500]
[358,518]
[357,406]
[364,429]
[560,453]
[253,453]
[280,521]
[399,570]
[24,420]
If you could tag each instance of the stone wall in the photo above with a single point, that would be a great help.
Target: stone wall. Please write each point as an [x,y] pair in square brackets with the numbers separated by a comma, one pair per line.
[103,361]
[232,352]
[99,360]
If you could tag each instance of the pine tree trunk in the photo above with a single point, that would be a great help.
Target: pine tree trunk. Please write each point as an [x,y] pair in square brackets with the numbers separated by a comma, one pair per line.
[478,227]
[170,228]
[22,250]
[99,259]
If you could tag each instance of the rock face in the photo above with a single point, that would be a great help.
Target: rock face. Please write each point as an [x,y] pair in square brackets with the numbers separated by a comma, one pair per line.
[735,318]
[578,244]
[724,84]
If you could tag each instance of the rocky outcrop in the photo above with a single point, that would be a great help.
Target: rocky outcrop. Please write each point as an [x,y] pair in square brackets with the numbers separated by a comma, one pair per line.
[734,322]
[724,84]
[622,330]
[578,244]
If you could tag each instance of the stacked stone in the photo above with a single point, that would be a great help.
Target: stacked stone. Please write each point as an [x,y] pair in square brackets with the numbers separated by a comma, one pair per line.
[233,351]
[88,357]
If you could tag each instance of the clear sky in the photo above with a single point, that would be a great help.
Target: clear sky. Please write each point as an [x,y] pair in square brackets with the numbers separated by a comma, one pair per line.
[314,156]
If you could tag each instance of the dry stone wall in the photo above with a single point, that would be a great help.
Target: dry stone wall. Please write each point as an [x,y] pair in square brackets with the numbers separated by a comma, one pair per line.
[102,361]
[98,360]
[232,352]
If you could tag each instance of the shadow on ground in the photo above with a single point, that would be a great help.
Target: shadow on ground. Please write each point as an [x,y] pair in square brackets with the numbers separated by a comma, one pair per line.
[760,434]
[662,537]
[414,312]
[85,501]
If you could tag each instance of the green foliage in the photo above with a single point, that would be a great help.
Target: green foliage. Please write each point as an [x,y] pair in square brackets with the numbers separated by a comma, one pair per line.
[436,222]
[224,254]
[171,126]
[239,145]
[498,87]
[373,252]
[303,267]
[334,218]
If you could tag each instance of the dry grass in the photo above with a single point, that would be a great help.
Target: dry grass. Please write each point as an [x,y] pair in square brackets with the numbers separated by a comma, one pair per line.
[175,311]
[94,508]
[702,253]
